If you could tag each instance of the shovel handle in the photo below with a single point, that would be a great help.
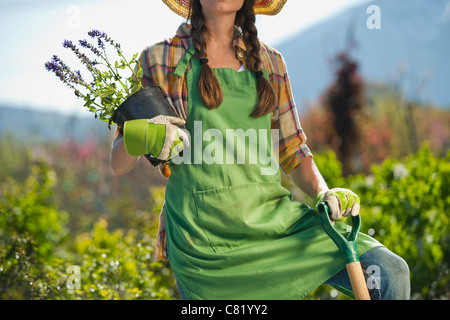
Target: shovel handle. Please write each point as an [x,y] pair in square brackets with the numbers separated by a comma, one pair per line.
[357,280]
[347,246]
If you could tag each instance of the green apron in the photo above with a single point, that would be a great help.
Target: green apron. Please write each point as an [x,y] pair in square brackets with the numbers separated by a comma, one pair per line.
[233,232]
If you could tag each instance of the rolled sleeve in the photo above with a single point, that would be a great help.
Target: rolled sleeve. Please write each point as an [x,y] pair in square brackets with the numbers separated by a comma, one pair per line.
[291,137]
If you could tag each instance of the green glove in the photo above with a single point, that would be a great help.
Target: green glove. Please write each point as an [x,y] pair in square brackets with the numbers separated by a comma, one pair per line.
[342,202]
[160,137]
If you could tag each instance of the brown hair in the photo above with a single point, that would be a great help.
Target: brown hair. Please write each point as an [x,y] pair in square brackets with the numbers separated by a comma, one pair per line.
[209,87]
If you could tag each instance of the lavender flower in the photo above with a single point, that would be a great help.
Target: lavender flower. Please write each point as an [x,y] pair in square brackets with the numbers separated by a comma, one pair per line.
[84,59]
[63,72]
[100,43]
[54,67]
[102,35]
[95,33]
[87,45]
[79,77]
[108,88]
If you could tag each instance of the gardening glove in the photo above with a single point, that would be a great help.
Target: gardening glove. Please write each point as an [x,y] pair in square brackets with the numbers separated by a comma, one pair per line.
[159,136]
[341,202]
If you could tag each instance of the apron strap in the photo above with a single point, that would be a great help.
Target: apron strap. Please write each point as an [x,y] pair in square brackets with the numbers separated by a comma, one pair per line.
[184,62]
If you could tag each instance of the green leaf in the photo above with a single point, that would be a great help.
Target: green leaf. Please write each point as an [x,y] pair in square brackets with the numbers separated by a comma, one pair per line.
[136,88]
[140,73]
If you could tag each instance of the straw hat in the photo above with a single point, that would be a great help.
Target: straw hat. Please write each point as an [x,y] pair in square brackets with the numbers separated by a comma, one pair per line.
[267,7]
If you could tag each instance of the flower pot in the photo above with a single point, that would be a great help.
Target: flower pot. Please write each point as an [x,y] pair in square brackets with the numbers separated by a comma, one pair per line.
[144,104]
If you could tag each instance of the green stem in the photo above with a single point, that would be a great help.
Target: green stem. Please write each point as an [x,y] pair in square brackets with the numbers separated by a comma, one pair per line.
[82,95]
[116,74]
[128,64]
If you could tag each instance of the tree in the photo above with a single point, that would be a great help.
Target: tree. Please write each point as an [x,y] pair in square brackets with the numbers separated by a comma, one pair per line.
[344,99]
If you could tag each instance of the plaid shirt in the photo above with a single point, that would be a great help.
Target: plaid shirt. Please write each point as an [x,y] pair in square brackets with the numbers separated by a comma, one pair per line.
[165,64]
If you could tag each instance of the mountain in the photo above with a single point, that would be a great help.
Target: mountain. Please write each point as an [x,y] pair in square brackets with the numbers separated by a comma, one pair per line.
[411,49]
[38,126]
[412,44]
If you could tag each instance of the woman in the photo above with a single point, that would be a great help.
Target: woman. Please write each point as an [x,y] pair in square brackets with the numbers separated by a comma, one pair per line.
[232,230]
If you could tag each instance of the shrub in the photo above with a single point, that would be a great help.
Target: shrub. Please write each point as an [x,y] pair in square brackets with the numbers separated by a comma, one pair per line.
[405,205]
[38,258]
[111,248]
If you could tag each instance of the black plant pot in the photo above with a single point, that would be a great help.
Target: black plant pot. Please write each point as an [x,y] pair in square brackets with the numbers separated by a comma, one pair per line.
[144,104]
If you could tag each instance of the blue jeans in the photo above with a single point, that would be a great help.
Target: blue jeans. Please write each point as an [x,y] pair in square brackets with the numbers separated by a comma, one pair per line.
[386,273]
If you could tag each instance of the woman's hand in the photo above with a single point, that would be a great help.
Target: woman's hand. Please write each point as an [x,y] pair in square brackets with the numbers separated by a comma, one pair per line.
[160,136]
[342,202]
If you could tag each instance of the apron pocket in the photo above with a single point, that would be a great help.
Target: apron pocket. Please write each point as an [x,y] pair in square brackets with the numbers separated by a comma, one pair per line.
[235,216]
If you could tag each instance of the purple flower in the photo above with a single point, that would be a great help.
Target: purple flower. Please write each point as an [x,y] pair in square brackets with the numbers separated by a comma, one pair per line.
[102,36]
[63,72]
[100,43]
[87,45]
[52,66]
[84,59]
[79,77]
[95,33]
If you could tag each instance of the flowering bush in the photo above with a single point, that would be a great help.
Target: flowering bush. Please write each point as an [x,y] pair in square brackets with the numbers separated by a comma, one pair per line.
[43,255]
[59,209]
[108,88]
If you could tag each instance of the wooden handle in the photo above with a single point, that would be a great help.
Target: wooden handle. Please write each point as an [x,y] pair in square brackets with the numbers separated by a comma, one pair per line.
[358,281]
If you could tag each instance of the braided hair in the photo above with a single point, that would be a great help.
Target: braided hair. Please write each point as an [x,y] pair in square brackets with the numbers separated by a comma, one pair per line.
[209,87]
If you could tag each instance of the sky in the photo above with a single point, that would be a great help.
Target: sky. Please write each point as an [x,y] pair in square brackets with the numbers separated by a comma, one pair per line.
[32,31]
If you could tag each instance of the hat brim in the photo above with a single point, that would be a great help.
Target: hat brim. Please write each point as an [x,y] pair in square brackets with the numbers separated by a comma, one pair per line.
[266,7]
